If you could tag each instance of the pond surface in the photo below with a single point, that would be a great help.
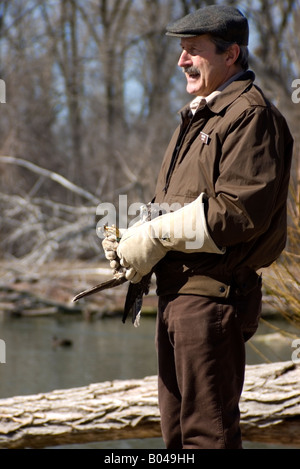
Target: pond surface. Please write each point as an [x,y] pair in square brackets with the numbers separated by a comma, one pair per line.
[101,350]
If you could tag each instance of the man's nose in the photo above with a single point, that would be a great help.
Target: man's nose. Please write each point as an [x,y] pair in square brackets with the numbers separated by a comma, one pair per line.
[185,59]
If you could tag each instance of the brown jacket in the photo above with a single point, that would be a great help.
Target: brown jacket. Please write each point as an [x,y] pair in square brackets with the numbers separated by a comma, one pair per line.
[237,149]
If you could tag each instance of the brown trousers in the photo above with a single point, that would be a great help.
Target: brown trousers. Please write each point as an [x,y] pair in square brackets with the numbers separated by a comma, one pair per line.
[201,362]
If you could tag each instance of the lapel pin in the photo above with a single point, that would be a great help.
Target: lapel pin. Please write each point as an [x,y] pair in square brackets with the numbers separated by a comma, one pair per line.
[204,138]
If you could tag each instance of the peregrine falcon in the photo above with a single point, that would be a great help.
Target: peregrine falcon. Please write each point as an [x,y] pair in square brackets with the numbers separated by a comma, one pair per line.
[135,293]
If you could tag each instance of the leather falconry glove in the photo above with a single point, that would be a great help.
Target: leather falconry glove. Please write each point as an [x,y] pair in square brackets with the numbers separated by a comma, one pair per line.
[185,230]
[110,244]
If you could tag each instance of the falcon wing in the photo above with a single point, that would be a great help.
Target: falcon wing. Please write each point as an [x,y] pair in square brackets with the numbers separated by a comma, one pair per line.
[114,282]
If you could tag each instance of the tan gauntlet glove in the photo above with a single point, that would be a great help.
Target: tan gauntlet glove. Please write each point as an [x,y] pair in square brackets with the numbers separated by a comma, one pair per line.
[110,244]
[184,230]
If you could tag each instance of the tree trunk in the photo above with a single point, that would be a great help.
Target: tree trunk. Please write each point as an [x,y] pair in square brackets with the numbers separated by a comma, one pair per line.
[270,411]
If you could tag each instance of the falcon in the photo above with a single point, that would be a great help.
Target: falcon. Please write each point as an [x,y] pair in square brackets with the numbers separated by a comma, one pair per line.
[136,291]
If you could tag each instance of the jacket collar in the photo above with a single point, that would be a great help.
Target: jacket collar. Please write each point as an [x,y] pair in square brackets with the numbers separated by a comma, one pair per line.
[229,94]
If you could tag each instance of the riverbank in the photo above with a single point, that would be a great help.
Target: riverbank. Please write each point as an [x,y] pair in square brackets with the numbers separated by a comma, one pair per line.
[49,289]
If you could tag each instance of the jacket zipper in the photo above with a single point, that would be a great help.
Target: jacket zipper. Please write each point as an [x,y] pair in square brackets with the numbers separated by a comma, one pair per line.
[179,143]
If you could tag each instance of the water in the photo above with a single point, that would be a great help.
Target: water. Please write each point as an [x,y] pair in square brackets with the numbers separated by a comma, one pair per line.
[102,350]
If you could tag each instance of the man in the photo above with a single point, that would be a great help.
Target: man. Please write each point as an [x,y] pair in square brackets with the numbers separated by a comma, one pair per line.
[228,167]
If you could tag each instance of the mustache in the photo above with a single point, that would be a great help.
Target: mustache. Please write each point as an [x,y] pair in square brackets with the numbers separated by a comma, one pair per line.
[191,70]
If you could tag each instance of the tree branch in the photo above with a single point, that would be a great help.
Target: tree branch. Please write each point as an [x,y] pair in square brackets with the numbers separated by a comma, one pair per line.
[50,175]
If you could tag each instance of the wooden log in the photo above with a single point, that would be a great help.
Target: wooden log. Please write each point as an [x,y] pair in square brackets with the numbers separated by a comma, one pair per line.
[270,411]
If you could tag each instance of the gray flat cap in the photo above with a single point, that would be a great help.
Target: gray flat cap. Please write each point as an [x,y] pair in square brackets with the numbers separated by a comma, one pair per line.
[223,21]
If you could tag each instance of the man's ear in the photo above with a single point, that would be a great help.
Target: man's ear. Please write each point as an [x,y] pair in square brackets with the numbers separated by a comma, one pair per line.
[233,53]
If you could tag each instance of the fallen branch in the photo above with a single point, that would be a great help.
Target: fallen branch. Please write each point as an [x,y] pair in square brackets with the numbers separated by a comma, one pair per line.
[270,411]
[37,230]
[50,175]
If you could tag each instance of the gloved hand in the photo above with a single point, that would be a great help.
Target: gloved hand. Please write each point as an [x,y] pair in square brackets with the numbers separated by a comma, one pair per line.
[142,247]
[110,244]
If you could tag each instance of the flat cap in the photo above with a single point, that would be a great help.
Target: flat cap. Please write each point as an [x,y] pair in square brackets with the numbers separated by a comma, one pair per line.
[223,21]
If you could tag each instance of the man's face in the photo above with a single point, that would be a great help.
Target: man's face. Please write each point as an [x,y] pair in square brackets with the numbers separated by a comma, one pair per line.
[205,70]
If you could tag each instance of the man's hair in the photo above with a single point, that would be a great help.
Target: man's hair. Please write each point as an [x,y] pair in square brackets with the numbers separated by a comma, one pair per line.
[222,46]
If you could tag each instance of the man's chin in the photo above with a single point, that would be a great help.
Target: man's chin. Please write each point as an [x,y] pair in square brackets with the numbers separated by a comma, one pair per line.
[193,86]
[193,90]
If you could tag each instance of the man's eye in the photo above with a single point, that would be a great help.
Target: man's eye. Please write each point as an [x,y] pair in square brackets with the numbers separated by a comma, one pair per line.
[191,51]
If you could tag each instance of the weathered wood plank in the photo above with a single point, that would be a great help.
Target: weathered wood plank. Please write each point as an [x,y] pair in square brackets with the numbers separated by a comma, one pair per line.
[270,411]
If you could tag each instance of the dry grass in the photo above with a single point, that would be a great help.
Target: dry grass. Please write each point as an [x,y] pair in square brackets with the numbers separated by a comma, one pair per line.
[283,283]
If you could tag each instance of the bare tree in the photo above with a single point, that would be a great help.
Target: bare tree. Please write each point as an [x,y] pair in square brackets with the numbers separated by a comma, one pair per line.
[93,88]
